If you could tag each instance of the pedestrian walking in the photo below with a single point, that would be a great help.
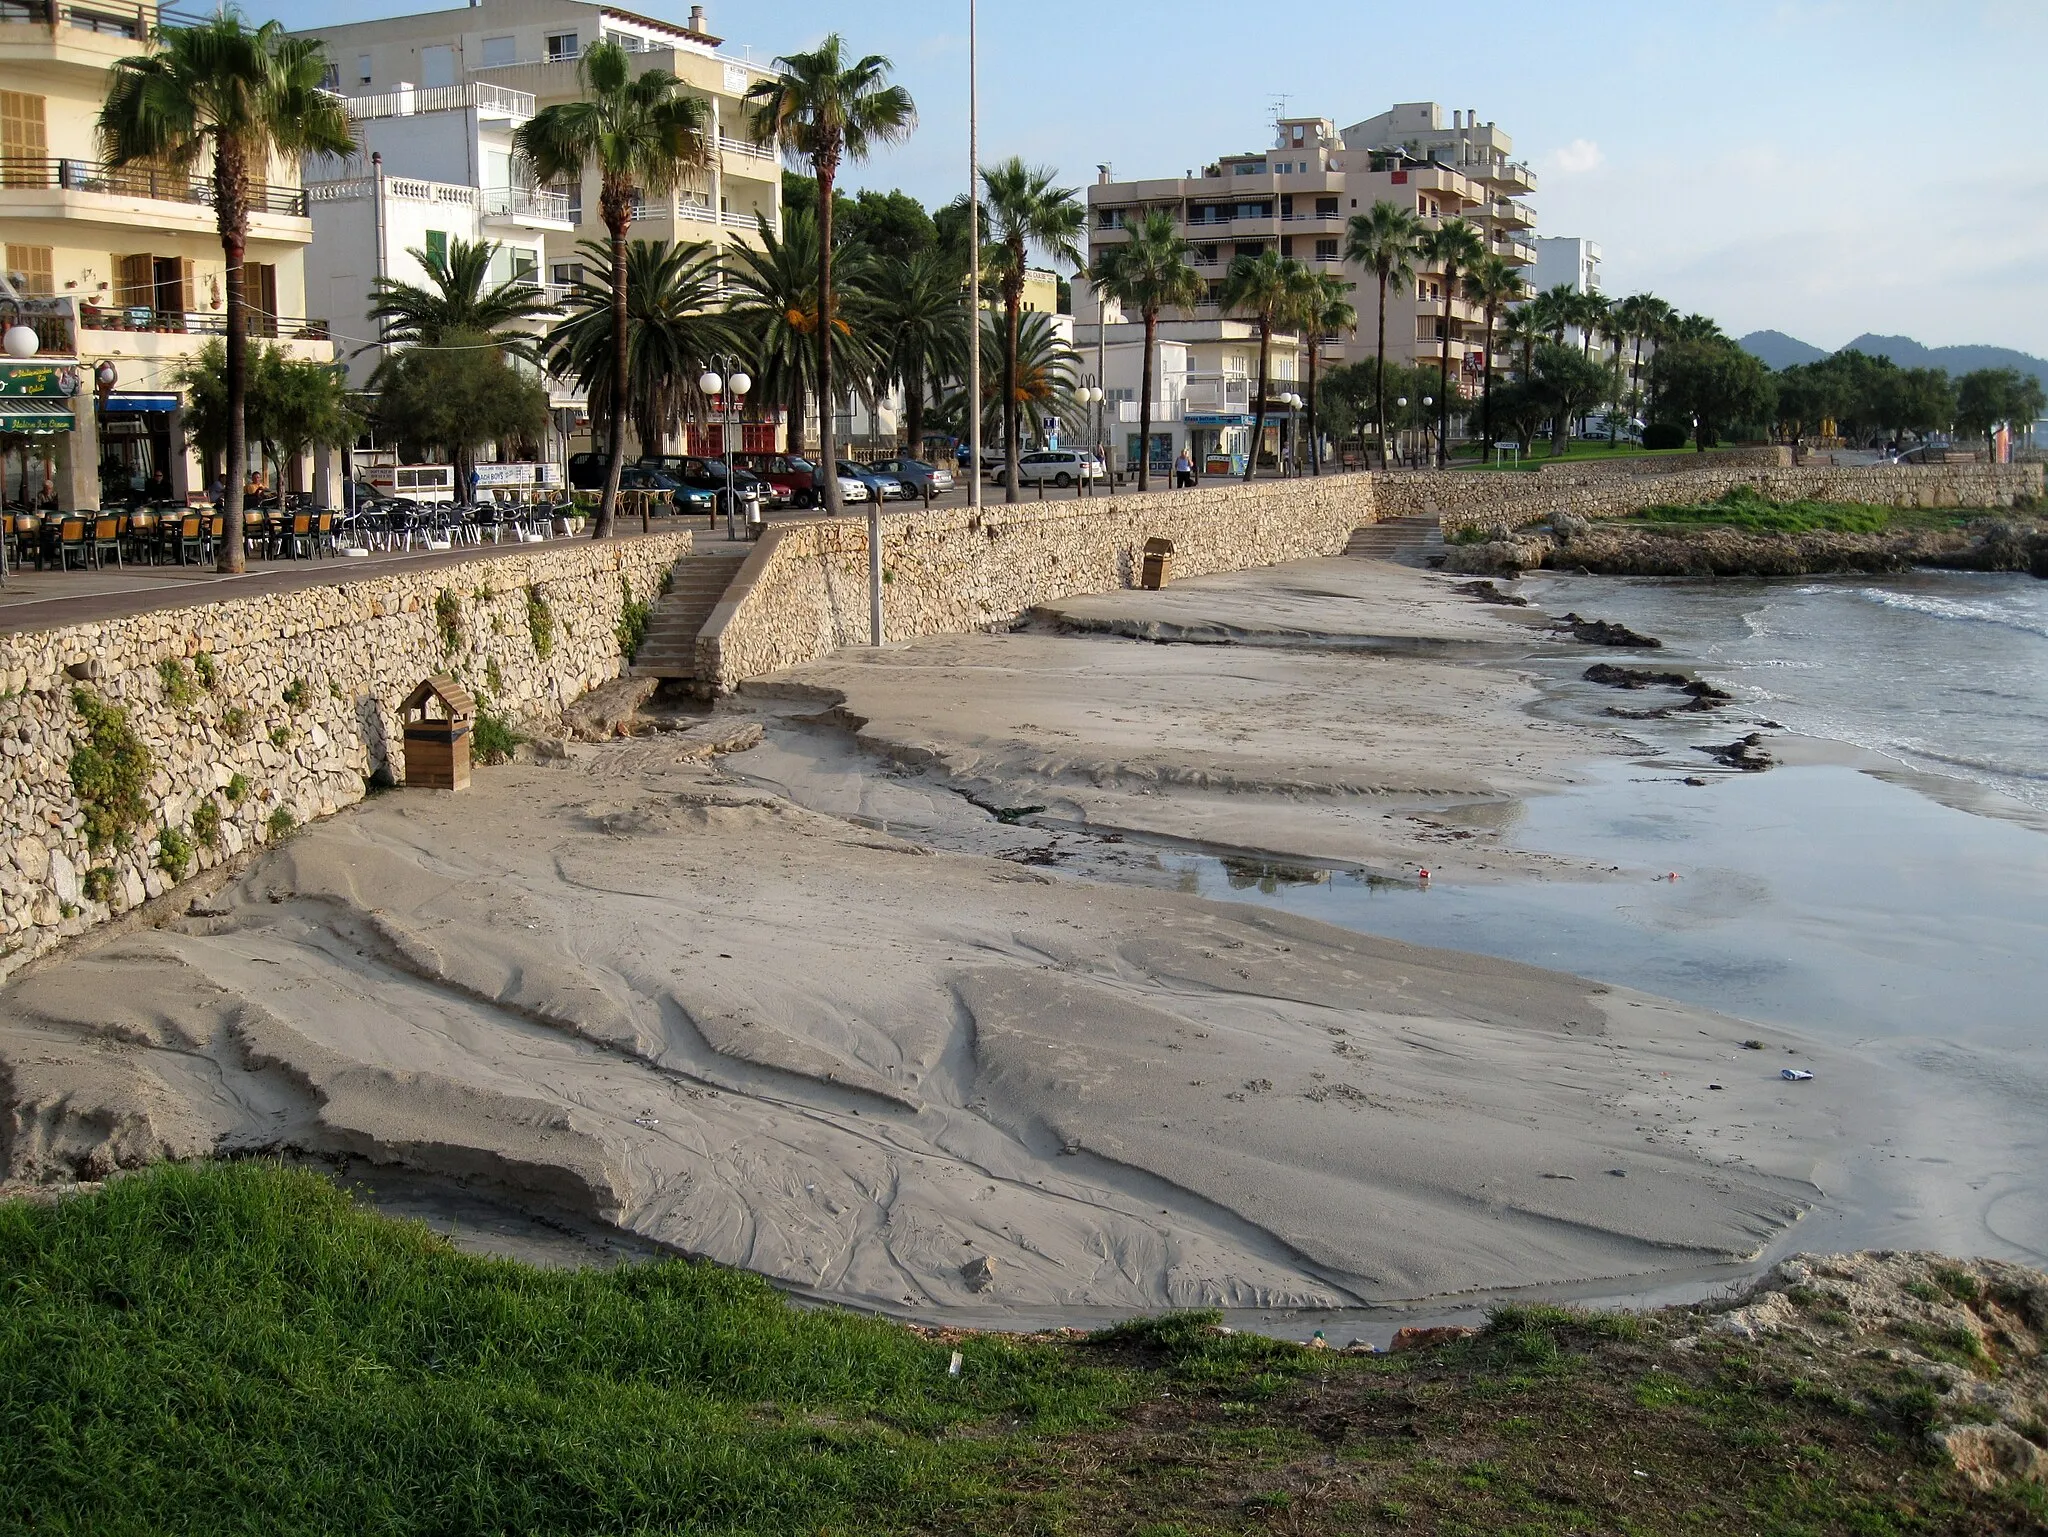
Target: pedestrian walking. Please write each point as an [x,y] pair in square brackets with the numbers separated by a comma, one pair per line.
[1183,470]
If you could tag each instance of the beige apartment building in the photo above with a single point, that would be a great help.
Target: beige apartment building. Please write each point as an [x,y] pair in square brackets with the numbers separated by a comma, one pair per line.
[125,267]
[1298,197]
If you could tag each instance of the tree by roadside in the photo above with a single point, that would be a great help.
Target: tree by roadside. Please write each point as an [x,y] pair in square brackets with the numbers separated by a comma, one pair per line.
[1708,383]
[1148,272]
[1987,398]
[1027,213]
[458,397]
[1383,242]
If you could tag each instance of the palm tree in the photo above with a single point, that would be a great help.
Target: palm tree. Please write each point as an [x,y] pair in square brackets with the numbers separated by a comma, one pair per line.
[675,327]
[1589,314]
[1454,246]
[1642,318]
[919,319]
[1523,328]
[415,315]
[1323,311]
[1492,282]
[1026,211]
[1045,377]
[644,135]
[237,99]
[1266,287]
[775,303]
[1148,273]
[821,110]
[1383,243]
[1555,307]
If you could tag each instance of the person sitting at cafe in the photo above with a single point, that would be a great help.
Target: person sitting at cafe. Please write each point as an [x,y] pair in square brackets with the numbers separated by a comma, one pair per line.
[256,486]
[159,488]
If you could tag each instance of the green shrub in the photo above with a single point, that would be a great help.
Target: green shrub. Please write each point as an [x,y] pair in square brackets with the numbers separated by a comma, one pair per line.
[281,823]
[634,614]
[280,736]
[206,824]
[491,740]
[234,720]
[448,619]
[109,771]
[1663,435]
[297,693]
[237,789]
[179,689]
[540,624]
[1746,508]
[173,852]
[494,679]
[99,884]
[209,674]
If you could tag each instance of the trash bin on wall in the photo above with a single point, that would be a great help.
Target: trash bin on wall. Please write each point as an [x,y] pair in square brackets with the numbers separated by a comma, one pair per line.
[1158,563]
[439,716]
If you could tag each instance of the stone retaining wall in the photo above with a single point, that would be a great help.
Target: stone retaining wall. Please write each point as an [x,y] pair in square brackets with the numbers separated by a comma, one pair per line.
[1770,456]
[1507,499]
[804,590]
[301,712]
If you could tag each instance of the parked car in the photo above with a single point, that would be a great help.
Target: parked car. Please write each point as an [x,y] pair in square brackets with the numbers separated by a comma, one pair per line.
[880,487]
[703,474]
[917,475]
[691,500]
[796,475]
[1060,466]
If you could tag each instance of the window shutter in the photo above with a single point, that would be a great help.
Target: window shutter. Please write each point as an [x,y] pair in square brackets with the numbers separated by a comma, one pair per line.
[135,280]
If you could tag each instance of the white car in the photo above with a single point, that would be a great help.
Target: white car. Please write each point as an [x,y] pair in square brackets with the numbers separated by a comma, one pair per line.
[1060,466]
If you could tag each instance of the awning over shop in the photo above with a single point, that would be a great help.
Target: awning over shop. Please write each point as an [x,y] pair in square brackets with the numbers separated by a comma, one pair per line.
[36,418]
[140,403]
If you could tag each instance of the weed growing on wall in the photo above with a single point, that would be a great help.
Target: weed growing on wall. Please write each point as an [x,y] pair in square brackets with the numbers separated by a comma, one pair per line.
[280,824]
[109,771]
[234,720]
[491,740]
[237,789]
[448,619]
[540,624]
[206,824]
[633,616]
[297,692]
[494,677]
[99,884]
[173,852]
[280,737]
[179,689]
[207,669]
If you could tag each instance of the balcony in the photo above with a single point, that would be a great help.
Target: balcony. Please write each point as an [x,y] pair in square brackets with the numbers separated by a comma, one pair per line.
[408,100]
[526,205]
[747,151]
[1333,217]
[1516,178]
[20,173]
[144,319]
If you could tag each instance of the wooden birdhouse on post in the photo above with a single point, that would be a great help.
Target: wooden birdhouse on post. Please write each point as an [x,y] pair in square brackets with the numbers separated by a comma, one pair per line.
[439,716]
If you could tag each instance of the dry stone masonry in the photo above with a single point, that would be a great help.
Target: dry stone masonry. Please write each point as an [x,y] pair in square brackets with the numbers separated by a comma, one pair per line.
[210,729]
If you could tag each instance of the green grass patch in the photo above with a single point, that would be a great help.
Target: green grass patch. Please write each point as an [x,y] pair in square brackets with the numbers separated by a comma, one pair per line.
[281,824]
[1748,510]
[491,740]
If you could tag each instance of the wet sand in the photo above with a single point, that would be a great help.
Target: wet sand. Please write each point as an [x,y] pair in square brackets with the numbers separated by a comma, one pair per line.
[837,1036]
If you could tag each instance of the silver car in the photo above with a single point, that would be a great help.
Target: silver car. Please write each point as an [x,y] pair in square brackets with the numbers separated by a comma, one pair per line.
[917,475]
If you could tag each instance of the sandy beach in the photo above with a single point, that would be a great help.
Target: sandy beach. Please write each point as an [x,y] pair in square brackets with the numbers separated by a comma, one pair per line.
[820,1011]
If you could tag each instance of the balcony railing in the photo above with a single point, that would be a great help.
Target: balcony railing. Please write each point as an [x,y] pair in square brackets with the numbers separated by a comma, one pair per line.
[744,149]
[142,317]
[1317,217]
[408,100]
[21,172]
[110,20]
[525,203]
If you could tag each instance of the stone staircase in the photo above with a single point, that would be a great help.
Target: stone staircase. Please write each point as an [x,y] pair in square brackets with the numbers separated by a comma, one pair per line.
[670,649]
[1416,541]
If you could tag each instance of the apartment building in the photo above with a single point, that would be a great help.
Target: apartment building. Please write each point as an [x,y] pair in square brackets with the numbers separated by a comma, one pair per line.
[1298,197]
[1566,261]
[125,266]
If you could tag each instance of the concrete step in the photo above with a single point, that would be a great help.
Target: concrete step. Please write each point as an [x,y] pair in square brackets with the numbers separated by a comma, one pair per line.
[697,585]
[1410,541]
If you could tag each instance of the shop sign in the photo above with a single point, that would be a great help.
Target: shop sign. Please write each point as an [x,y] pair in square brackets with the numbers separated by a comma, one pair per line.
[38,380]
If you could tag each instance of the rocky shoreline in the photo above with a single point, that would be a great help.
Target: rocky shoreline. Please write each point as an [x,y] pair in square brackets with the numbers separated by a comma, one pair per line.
[1647,549]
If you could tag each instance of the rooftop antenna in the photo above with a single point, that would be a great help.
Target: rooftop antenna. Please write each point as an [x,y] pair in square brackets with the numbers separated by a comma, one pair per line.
[1279,109]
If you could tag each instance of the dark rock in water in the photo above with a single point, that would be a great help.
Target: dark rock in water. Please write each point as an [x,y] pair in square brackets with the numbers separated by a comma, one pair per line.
[1704,695]
[1747,754]
[1486,592]
[1694,780]
[1604,632]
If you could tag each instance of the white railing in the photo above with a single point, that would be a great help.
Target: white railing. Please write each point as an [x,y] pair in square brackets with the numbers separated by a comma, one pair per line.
[740,220]
[1162,411]
[410,99]
[744,149]
[340,191]
[414,190]
[525,203]
[697,211]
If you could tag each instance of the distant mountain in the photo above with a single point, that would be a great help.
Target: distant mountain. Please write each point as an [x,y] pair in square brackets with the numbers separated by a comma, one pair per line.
[1781,351]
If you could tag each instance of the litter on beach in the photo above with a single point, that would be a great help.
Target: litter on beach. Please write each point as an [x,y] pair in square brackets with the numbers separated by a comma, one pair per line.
[953,1366]
[1794,1074]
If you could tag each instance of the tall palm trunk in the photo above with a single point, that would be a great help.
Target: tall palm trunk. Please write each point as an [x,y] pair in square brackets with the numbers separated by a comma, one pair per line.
[1251,460]
[1315,447]
[1013,319]
[797,401]
[230,201]
[1443,389]
[618,217]
[1145,402]
[1486,391]
[913,413]
[828,443]
[1386,438]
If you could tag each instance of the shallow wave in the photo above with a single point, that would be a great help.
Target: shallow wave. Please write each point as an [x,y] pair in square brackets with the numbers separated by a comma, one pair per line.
[1949,608]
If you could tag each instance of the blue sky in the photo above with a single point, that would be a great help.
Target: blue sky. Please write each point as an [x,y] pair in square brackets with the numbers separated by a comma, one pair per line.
[1822,167]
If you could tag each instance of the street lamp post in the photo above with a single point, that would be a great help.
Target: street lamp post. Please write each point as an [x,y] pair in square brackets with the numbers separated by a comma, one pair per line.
[1090,394]
[1427,402]
[1293,402]
[730,390]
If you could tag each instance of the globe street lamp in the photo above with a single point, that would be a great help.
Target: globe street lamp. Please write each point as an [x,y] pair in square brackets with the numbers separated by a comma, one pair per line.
[1427,402]
[1293,403]
[730,391]
[1091,395]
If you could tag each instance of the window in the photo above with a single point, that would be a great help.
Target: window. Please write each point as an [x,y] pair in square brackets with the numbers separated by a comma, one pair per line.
[330,79]
[1250,168]
[259,292]
[1247,248]
[525,266]
[1286,245]
[566,274]
[1326,250]
[499,51]
[573,192]
[437,245]
[632,42]
[562,47]
[363,75]
[1326,207]
[21,139]
[437,65]
[31,267]
[112,26]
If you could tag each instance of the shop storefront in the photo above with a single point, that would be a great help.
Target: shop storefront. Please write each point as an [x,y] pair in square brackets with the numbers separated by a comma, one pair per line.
[1217,441]
[37,416]
[136,448]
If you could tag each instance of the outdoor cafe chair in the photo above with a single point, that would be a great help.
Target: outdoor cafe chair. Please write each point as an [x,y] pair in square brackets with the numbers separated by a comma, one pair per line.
[296,541]
[106,539]
[71,542]
[185,543]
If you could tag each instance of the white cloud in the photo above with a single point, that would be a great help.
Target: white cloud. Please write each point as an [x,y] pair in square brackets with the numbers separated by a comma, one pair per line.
[1575,159]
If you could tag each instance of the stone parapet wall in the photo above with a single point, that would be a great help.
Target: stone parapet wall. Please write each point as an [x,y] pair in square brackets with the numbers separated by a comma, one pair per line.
[1507,499]
[300,715]
[804,590]
[1768,456]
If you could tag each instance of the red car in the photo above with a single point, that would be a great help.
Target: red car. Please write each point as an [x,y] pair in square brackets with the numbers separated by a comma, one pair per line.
[798,477]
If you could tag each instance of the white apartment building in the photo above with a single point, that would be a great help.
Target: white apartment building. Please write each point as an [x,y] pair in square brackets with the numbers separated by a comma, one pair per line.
[531,48]
[1298,198]
[436,166]
[125,265]
[1566,261]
